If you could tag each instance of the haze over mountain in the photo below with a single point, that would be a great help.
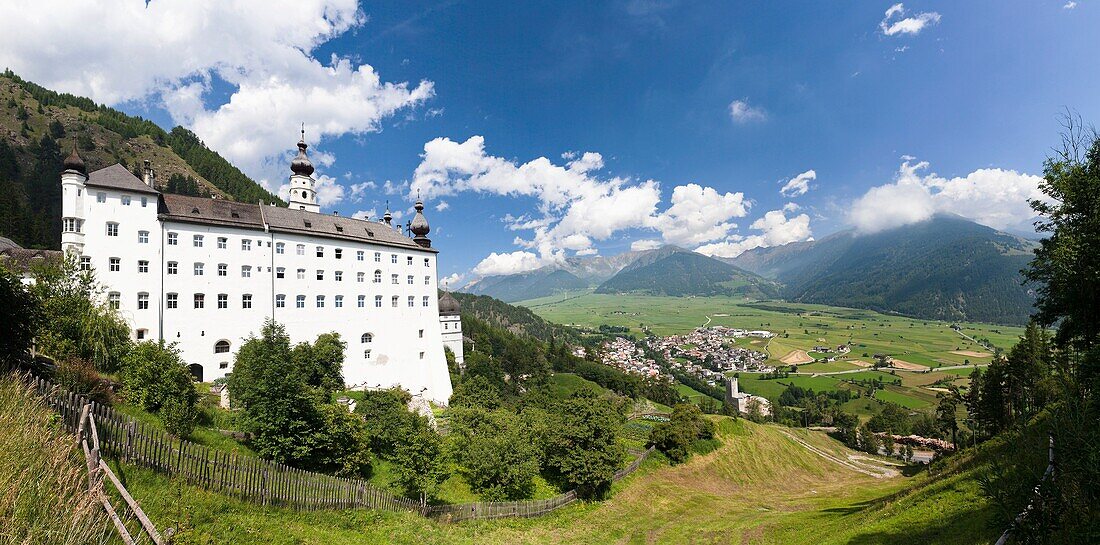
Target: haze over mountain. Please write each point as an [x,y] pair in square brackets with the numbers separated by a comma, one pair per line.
[946,268]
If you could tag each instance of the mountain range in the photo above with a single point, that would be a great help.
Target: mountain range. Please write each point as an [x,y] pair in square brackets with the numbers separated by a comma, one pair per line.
[945,268]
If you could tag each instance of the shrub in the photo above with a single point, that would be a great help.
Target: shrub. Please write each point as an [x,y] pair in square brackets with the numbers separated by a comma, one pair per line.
[156,379]
[80,377]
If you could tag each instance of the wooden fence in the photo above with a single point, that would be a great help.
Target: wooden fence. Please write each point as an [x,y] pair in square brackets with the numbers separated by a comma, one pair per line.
[268,483]
[1036,495]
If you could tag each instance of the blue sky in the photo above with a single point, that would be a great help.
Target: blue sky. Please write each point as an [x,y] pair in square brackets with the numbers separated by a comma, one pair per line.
[898,112]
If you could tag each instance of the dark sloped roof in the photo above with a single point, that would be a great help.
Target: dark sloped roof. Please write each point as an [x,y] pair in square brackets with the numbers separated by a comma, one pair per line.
[20,260]
[288,220]
[253,216]
[210,211]
[117,177]
[448,305]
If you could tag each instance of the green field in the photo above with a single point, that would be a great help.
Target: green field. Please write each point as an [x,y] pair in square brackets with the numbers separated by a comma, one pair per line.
[563,385]
[799,326]
[759,487]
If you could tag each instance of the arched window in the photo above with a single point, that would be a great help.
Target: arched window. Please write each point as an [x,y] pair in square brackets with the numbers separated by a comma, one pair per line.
[196,372]
[377,277]
[221,347]
[366,338]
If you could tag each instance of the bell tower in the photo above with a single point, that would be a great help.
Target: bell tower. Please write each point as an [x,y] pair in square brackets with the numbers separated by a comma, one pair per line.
[72,203]
[303,195]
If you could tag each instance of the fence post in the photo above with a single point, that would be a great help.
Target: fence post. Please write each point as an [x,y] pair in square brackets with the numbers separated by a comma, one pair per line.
[80,426]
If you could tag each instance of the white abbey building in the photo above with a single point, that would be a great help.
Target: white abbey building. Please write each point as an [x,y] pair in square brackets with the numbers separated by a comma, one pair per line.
[205,273]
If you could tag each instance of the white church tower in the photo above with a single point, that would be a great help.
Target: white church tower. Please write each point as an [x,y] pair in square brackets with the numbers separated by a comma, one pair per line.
[303,196]
[450,322]
[72,204]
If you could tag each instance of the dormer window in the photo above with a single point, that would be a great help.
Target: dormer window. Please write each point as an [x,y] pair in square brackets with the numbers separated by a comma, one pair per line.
[339,229]
[195,210]
[234,214]
[308,223]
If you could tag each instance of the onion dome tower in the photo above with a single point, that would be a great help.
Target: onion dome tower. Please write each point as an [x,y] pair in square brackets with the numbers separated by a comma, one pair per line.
[72,203]
[303,195]
[387,218]
[419,226]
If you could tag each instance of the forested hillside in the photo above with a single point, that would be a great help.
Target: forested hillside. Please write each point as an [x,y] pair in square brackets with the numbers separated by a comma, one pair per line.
[517,320]
[683,273]
[519,287]
[946,268]
[38,127]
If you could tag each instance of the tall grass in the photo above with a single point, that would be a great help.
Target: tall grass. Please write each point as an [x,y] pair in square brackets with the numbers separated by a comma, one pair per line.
[44,495]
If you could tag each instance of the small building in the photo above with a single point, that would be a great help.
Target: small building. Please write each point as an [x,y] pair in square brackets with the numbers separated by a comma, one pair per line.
[743,401]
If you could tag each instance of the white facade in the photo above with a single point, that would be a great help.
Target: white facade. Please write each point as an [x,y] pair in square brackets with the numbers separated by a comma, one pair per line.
[451,324]
[206,274]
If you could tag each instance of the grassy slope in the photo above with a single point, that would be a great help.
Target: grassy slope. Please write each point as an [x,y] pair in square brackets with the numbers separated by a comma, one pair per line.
[44,479]
[759,487]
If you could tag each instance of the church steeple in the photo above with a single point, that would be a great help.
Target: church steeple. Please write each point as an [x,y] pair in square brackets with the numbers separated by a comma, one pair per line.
[303,195]
[419,225]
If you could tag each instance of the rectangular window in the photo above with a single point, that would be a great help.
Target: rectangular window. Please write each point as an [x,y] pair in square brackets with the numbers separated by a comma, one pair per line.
[173,300]
[412,301]
[144,202]
[427,280]
[301,274]
[125,200]
[421,333]
[377,257]
[101,197]
[339,253]
[112,229]
[246,271]
[246,300]
[377,301]
[115,264]
[198,269]
[320,301]
[197,241]
[143,237]
[338,301]
[421,355]
[320,274]
[362,301]
[410,280]
[113,299]
[393,301]
[301,249]
[280,272]
[360,255]
[223,243]
[300,301]
[409,261]
[280,301]
[280,247]
[141,334]
[366,354]
[425,303]
[320,251]
[173,239]
[173,267]
[143,266]
[339,276]
[200,300]
[85,263]
[393,259]
[427,262]
[246,245]
[360,277]
[223,269]
[223,300]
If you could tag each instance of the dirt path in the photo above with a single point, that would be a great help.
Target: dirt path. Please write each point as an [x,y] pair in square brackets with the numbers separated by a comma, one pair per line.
[855,463]
[796,357]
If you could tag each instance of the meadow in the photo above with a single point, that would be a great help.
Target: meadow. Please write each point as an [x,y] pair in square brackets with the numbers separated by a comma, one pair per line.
[759,487]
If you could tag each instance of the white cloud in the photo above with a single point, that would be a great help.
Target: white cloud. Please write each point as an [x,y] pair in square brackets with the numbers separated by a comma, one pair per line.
[791,207]
[588,252]
[798,185]
[776,230]
[170,53]
[895,22]
[443,205]
[741,112]
[994,197]
[452,281]
[359,191]
[366,214]
[700,214]
[1069,5]
[645,244]
[575,208]
[508,263]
